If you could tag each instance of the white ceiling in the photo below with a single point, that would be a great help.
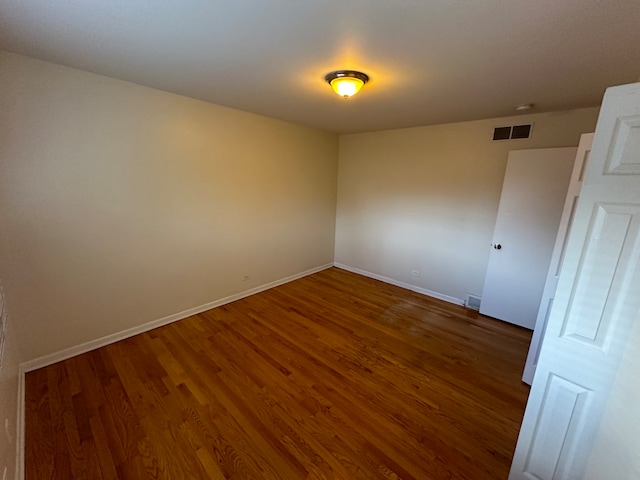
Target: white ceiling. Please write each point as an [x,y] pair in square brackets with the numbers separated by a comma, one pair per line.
[430,61]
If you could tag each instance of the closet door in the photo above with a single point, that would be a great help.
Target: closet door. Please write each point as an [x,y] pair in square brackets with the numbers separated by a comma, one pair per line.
[533,193]
[549,292]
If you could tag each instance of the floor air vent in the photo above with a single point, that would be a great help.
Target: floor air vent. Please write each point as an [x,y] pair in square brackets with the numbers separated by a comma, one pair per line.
[473,302]
[513,132]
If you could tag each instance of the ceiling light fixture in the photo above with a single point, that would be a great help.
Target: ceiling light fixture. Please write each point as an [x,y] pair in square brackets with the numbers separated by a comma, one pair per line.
[346,83]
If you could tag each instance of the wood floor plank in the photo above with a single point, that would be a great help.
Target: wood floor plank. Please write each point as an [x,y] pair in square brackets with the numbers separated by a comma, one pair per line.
[38,427]
[332,376]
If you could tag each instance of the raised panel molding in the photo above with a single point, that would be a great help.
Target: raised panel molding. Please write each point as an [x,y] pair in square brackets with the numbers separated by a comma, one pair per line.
[606,259]
[557,430]
[584,164]
[563,251]
[624,141]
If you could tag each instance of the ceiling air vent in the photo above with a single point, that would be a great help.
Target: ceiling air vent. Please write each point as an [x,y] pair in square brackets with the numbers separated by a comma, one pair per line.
[501,133]
[513,132]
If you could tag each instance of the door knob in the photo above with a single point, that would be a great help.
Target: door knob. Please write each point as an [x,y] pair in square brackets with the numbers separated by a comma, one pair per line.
[497,246]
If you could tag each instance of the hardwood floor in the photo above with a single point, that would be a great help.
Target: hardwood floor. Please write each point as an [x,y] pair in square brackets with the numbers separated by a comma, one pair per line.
[331,376]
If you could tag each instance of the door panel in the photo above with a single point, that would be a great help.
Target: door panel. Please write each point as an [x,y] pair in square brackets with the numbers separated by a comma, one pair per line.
[558,428]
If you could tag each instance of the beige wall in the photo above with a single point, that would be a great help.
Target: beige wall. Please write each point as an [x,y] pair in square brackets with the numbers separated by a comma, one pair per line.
[426,198]
[120,204]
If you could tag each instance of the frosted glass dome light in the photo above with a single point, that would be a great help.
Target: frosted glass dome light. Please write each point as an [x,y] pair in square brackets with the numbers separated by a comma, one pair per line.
[346,83]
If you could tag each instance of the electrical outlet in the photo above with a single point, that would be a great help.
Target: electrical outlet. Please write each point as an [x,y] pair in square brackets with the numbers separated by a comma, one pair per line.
[415,273]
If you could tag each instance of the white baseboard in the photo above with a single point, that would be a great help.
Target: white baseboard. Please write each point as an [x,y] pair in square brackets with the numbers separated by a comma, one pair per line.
[145,327]
[398,283]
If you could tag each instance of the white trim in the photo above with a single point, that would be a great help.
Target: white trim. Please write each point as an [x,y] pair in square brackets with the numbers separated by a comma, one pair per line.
[398,283]
[19,473]
[55,357]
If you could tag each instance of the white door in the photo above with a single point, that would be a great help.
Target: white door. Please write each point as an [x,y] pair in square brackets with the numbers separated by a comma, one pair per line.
[533,193]
[549,291]
[596,305]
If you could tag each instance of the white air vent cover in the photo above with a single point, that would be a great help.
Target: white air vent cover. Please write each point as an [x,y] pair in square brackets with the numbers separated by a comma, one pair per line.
[473,302]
